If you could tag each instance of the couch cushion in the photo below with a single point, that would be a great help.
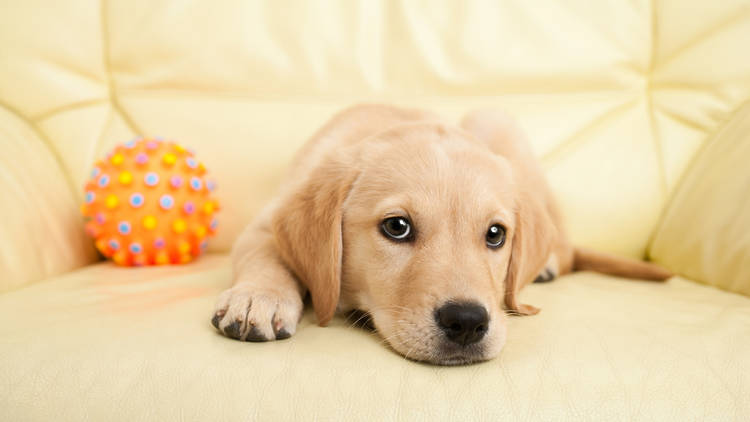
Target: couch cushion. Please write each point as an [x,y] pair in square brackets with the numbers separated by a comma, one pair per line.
[705,233]
[107,343]
[41,231]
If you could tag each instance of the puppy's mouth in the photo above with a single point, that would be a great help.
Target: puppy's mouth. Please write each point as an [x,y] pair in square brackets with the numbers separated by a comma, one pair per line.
[450,354]
[458,361]
[423,343]
[444,353]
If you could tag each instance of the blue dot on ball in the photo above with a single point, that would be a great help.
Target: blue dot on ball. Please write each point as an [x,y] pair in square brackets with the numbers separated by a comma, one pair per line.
[123,227]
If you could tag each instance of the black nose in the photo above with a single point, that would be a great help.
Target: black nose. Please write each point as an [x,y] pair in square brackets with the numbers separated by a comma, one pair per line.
[463,323]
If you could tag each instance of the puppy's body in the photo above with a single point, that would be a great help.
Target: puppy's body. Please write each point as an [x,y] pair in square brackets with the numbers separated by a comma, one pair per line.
[478,223]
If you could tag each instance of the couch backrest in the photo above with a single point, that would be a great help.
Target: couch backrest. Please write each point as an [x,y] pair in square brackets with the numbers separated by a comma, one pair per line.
[705,232]
[616,96]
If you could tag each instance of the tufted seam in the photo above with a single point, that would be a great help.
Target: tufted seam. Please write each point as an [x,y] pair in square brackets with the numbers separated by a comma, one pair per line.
[221,93]
[228,95]
[691,163]
[667,194]
[574,140]
[112,87]
[684,121]
[721,25]
[47,143]
[658,147]
[67,107]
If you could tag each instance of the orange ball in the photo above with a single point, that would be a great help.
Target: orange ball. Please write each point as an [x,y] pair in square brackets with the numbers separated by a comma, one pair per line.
[149,202]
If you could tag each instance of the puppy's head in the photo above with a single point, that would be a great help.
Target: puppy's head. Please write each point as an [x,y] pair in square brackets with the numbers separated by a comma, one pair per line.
[425,229]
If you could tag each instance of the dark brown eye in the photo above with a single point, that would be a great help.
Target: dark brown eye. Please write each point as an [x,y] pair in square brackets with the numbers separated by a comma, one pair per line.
[495,237]
[396,228]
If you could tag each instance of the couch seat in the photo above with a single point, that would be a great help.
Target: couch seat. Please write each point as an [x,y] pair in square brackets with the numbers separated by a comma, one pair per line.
[88,344]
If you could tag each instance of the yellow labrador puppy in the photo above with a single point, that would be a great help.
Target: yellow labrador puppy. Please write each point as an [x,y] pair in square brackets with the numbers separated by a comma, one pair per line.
[428,227]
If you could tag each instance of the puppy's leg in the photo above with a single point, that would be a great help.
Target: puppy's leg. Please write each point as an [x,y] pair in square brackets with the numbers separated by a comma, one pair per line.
[550,271]
[265,302]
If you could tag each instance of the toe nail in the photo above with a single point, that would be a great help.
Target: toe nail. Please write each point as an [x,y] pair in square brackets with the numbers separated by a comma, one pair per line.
[233,330]
[282,334]
[216,320]
[255,335]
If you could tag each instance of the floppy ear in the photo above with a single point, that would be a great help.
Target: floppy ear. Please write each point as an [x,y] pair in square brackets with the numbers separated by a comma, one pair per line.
[307,228]
[530,248]
[535,228]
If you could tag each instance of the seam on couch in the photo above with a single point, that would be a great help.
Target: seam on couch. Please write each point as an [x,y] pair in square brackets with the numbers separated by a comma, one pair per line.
[710,136]
[111,86]
[683,120]
[95,150]
[574,140]
[47,143]
[228,94]
[658,149]
[721,25]
[657,143]
[67,107]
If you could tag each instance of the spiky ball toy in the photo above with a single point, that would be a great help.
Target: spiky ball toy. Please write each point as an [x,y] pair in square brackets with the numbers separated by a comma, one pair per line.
[149,202]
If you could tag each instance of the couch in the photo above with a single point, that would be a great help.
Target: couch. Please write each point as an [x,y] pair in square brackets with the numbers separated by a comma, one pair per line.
[639,112]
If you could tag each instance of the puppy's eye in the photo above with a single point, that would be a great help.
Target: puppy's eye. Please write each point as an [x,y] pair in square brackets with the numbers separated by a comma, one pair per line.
[397,228]
[495,237]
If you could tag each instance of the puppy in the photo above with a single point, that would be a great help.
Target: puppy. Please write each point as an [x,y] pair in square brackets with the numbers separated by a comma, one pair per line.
[427,227]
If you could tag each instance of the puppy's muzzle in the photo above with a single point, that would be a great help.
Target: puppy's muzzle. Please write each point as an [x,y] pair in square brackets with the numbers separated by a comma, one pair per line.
[462,323]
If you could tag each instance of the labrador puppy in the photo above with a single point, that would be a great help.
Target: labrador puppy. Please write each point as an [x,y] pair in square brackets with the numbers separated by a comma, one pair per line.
[429,228]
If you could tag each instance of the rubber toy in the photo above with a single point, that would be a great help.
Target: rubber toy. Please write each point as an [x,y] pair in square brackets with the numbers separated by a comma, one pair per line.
[149,202]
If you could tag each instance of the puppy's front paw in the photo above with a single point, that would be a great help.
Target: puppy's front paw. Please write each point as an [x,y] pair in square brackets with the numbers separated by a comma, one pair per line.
[250,314]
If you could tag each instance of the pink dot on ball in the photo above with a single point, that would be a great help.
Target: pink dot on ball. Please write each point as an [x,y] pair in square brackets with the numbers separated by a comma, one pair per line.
[141,158]
[159,243]
[175,181]
[189,207]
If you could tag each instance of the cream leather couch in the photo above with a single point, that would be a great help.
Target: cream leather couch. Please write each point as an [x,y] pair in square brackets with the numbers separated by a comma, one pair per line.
[638,110]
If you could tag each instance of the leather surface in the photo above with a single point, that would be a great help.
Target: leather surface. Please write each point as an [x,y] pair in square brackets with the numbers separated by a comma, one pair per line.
[617,97]
[40,227]
[108,343]
[705,234]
